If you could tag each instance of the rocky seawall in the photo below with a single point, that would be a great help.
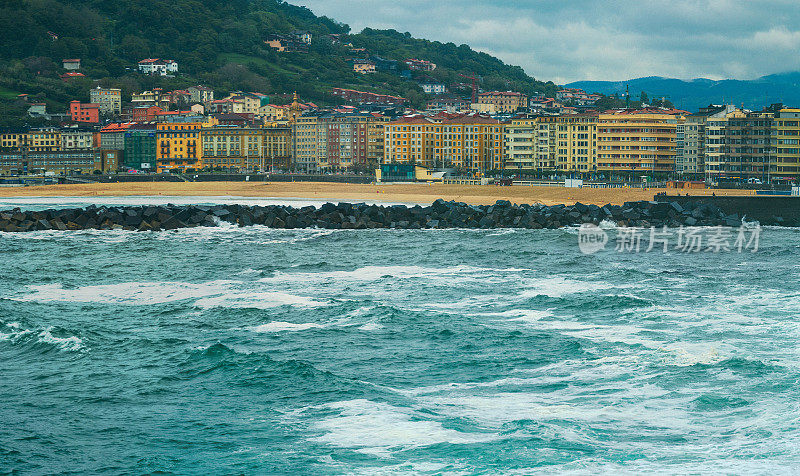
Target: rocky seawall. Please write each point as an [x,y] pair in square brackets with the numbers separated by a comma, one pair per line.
[440,214]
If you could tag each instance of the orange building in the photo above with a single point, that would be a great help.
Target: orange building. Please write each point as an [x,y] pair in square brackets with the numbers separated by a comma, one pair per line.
[80,112]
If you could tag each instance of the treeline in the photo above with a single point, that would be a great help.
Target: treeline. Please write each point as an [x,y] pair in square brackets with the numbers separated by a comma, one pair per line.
[216,42]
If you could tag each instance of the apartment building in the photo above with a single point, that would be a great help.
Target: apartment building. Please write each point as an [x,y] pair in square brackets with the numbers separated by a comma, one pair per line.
[178,146]
[786,162]
[325,141]
[84,112]
[577,143]
[471,142]
[109,100]
[520,144]
[504,101]
[637,141]
[72,139]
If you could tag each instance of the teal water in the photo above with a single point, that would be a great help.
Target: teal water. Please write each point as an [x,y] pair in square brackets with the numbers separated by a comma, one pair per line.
[257,351]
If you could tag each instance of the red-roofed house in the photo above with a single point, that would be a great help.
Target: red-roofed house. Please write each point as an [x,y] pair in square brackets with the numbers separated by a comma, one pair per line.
[71,75]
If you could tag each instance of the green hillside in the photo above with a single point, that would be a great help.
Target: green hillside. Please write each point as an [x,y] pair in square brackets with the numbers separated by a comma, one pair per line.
[216,42]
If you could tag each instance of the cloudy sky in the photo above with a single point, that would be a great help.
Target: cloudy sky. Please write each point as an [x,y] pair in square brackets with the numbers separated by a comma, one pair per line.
[569,40]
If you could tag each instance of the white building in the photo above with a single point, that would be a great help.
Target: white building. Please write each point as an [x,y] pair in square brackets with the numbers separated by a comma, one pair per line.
[76,139]
[158,66]
[433,87]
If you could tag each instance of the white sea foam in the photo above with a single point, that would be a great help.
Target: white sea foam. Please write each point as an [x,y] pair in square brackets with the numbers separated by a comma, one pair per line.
[43,335]
[257,300]
[378,428]
[68,344]
[370,326]
[134,293]
[278,326]
[557,286]
[375,273]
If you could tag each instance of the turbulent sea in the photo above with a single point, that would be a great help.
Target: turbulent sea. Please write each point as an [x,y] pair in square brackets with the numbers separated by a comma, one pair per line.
[258,351]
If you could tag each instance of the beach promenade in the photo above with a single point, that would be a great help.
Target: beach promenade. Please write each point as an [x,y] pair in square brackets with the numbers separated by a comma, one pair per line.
[402,193]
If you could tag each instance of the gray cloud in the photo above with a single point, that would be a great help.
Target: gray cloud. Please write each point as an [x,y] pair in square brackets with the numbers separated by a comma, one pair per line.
[600,40]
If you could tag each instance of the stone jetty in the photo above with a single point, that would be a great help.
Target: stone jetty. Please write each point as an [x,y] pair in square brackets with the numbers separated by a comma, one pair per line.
[440,214]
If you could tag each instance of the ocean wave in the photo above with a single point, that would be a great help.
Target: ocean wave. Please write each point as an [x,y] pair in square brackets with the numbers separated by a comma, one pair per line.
[69,344]
[278,326]
[14,333]
[132,293]
[380,429]
[375,273]
[213,294]
[257,300]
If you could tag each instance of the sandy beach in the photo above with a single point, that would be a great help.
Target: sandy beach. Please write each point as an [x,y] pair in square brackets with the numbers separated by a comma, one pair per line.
[406,193]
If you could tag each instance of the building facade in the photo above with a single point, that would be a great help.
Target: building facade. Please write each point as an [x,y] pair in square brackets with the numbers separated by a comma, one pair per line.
[178,146]
[76,139]
[637,142]
[108,99]
[82,112]
[470,142]
[59,162]
[140,148]
[504,101]
[158,66]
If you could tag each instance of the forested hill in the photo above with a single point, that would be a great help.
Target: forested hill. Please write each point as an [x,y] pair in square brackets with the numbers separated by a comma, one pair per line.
[216,42]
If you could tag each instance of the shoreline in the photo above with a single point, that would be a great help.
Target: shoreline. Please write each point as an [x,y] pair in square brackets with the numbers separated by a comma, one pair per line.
[389,193]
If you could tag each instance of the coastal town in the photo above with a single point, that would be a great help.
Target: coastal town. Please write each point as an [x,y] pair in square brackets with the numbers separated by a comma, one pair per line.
[489,133]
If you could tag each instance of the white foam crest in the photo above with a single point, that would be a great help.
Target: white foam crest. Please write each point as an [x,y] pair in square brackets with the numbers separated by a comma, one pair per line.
[370,326]
[133,293]
[279,326]
[374,273]
[43,336]
[523,315]
[558,286]
[67,344]
[15,331]
[256,300]
[379,429]
[686,354]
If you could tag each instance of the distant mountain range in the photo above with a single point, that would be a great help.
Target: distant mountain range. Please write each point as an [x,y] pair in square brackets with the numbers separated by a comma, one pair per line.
[696,93]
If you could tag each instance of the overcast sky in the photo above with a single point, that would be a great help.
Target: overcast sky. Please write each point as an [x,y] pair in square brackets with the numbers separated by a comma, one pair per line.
[569,40]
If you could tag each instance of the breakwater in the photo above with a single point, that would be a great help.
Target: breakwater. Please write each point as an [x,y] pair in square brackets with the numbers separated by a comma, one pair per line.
[767,210]
[440,214]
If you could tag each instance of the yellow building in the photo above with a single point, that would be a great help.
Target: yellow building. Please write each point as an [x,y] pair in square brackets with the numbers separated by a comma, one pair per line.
[545,144]
[272,113]
[470,142]
[577,143]
[504,101]
[363,66]
[178,146]
[414,140]
[787,144]
[41,140]
[637,141]
[11,140]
